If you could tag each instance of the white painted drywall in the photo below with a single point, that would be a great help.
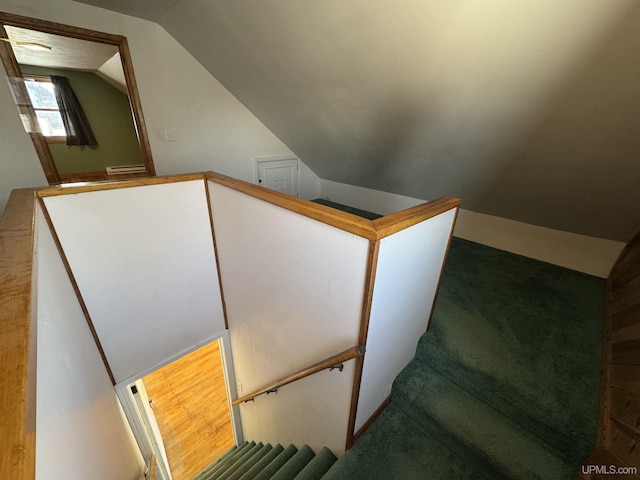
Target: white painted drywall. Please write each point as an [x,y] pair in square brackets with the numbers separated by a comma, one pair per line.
[212,129]
[293,291]
[309,183]
[591,255]
[375,201]
[143,259]
[81,429]
[407,276]
[312,411]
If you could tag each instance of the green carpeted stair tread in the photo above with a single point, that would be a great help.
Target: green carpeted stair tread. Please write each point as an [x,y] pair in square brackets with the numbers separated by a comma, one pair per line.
[517,331]
[223,462]
[392,448]
[218,461]
[295,464]
[240,470]
[262,463]
[536,406]
[238,460]
[283,457]
[318,466]
[228,453]
[463,422]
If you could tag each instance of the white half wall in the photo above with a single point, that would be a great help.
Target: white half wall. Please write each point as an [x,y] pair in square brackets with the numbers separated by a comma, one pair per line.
[293,291]
[407,275]
[81,429]
[594,256]
[144,262]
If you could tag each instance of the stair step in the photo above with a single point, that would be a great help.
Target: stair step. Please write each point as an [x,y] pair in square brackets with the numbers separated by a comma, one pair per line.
[262,463]
[395,448]
[228,469]
[502,375]
[295,464]
[275,465]
[249,463]
[224,461]
[540,347]
[465,423]
[318,466]
[228,453]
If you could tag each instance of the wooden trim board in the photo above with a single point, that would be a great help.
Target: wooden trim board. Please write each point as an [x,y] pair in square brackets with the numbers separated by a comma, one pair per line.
[17,338]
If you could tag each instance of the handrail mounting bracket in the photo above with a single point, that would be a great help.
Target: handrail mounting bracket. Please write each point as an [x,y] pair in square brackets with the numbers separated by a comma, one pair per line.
[339,366]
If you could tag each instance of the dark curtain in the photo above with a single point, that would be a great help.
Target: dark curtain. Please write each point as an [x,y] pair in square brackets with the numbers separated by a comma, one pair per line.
[75,121]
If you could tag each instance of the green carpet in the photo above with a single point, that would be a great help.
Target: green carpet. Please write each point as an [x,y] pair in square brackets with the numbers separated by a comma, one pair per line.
[255,461]
[505,384]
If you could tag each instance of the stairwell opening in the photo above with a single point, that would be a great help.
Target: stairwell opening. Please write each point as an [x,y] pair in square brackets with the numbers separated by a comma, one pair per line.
[184,409]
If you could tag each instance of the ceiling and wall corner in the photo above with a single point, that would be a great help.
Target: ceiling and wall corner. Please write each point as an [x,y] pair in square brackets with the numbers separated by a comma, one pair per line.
[525,110]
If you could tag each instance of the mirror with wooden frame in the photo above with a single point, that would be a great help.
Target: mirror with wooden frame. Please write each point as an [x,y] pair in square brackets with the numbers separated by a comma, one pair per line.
[100,69]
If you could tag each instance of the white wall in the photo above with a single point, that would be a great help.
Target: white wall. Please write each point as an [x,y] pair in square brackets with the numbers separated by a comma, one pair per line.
[293,290]
[144,262]
[375,201]
[594,256]
[19,164]
[212,129]
[407,276]
[82,432]
[591,255]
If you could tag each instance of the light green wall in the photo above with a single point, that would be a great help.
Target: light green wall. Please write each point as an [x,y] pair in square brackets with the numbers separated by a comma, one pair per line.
[109,114]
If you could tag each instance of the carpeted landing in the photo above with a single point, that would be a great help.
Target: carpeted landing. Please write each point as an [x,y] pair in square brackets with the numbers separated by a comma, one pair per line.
[504,384]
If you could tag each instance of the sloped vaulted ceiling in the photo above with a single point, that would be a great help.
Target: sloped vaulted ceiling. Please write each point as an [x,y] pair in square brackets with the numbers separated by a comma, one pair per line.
[526,109]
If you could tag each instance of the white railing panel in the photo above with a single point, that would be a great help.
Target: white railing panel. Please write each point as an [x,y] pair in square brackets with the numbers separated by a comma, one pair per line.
[144,262]
[80,425]
[293,290]
[407,276]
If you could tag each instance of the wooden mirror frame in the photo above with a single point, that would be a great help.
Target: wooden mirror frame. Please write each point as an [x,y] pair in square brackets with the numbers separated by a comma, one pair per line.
[13,70]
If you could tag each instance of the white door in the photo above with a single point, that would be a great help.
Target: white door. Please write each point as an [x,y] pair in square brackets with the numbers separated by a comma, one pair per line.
[280,175]
[135,403]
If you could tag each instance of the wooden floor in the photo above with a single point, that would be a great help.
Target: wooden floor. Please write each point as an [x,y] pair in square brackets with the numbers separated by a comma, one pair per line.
[189,402]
